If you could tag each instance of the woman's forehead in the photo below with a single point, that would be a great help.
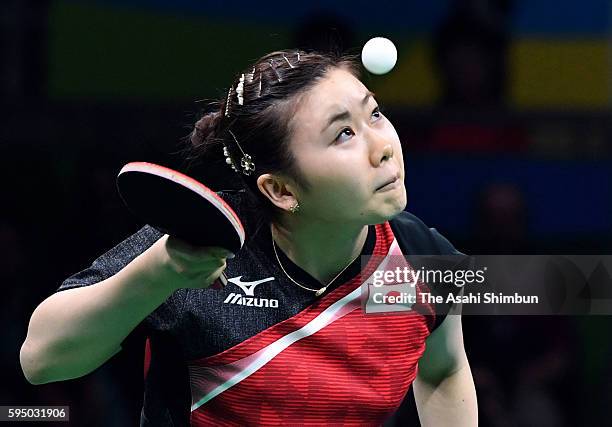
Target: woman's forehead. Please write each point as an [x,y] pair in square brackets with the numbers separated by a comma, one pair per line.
[338,90]
[340,82]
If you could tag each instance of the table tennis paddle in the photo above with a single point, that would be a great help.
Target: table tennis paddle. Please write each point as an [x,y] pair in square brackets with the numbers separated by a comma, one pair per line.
[180,206]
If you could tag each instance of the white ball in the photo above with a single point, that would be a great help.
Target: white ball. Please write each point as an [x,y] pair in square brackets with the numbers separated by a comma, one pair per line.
[379,55]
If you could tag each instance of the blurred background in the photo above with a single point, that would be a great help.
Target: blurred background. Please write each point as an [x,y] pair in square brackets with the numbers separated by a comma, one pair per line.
[502,107]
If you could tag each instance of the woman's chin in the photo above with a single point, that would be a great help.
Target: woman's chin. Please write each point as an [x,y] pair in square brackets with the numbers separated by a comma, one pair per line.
[386,213]
[395,206]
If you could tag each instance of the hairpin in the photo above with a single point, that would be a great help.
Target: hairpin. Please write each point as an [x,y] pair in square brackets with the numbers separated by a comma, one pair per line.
[285,58]
[273,66]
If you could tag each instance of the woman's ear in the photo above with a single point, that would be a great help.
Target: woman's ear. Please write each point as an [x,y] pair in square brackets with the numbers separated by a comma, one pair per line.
[278,190]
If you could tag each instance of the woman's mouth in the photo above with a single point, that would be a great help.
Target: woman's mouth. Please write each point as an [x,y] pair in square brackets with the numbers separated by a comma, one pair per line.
[389,185]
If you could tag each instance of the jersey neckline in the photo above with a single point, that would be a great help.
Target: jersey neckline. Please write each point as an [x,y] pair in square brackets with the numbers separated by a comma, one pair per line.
[304,278]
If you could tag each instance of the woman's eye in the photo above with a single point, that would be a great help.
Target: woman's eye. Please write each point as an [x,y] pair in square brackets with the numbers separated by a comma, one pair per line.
[344,134]
[376,113]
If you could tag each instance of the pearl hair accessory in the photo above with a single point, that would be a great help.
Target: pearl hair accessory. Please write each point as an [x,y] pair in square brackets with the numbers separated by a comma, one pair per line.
[228,159]
[246,162]
[227,102]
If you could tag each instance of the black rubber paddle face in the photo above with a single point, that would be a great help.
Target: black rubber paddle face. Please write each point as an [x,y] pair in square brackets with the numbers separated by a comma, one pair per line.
[179,206]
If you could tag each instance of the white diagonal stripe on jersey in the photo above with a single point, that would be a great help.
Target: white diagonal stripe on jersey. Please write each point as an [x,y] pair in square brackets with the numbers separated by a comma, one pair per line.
[259,359]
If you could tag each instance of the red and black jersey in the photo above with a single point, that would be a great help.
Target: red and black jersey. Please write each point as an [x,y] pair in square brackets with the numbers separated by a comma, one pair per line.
[265,351]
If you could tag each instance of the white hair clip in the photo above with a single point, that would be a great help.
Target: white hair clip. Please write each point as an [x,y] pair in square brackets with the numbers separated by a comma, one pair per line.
[249,76]
[259,90]
[240,90]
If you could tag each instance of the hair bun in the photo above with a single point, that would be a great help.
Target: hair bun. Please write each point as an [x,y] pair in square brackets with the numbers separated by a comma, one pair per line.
[204,128]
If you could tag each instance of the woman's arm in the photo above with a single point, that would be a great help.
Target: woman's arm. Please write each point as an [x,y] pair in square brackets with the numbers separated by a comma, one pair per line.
[444,388]
[75,331]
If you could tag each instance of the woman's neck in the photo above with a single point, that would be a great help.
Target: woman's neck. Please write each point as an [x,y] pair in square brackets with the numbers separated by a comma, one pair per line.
[322,249]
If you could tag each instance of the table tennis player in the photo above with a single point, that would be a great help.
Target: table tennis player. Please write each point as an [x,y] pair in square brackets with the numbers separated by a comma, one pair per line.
[284,342]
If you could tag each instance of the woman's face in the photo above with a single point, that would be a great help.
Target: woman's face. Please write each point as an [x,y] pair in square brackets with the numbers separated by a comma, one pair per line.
[346,150]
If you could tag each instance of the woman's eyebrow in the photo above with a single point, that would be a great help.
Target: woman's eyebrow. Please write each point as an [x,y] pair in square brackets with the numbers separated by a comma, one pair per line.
[343,115]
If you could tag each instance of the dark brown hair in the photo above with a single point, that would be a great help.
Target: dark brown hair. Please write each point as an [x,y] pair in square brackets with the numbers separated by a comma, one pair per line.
[261,124]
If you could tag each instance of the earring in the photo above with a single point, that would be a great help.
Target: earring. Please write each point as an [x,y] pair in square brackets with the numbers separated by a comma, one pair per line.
[295,208]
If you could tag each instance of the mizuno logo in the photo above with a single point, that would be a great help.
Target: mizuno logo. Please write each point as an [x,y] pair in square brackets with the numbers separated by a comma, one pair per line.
[249,289]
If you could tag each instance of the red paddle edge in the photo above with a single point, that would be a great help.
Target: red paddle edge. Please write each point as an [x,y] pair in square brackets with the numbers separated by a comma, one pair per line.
[193,182]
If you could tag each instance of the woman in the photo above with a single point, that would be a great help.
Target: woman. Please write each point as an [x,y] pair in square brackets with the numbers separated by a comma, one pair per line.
[283,343]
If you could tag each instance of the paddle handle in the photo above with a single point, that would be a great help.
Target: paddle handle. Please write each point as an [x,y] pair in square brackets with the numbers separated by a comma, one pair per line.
[220,283]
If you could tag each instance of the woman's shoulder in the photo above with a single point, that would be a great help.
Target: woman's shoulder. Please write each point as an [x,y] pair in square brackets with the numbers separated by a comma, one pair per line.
[415,237]
[114,259]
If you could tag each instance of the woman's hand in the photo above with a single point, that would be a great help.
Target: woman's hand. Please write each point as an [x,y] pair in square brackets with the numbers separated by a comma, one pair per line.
[176,264]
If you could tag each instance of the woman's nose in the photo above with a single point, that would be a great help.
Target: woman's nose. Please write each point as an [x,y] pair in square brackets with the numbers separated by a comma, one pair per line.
[381,150]
[387,152]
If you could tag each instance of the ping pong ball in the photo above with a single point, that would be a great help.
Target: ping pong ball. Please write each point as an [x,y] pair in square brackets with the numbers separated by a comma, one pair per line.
[379,55]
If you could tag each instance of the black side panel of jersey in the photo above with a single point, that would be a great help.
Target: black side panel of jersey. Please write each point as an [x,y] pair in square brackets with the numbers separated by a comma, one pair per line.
[415,238]
[167,394]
